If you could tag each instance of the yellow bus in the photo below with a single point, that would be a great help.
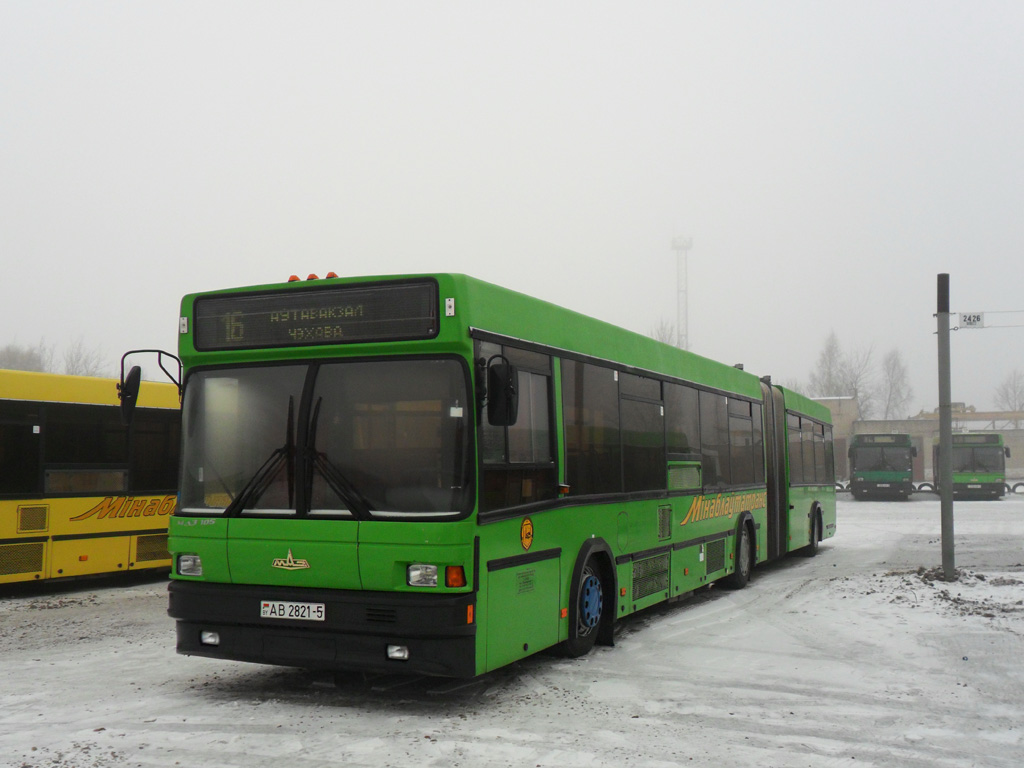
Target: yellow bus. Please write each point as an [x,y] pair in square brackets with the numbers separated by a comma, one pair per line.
[80,492]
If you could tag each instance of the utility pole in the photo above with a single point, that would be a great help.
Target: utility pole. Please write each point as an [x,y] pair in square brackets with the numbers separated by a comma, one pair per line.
[945,432]
[682,246]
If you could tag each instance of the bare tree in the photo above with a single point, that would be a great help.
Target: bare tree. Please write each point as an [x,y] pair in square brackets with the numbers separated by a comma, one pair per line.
[664,331]
[82,361]
[826,378]
[1010,394]
[859,381]
[895,389]
[18,358]
[844,375]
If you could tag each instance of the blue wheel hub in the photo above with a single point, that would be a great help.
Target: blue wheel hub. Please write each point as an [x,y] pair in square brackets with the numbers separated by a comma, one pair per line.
[591,601]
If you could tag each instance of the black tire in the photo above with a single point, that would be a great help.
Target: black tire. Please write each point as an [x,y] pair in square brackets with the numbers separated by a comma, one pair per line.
[812,549]
[744,560]
[588,611]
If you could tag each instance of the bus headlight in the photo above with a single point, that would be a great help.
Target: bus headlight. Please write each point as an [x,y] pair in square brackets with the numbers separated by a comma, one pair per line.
[190,565]
[421,575]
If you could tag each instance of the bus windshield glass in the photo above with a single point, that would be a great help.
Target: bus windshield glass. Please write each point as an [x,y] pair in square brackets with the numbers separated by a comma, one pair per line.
[368,439]
[879,459]
[978,458]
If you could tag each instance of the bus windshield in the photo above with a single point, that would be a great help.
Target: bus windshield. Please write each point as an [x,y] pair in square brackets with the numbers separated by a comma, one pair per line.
[978,458]
[879,459]
[367,439]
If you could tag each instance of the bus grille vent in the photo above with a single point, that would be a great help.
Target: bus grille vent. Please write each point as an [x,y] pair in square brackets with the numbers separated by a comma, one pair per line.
[21,558]
[650,576]
[33,518]
[716,556]
[664,523]
[152,547]
[379,615]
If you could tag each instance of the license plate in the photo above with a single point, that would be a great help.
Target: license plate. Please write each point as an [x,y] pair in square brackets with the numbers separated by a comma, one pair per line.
[883,485]
[974,486]
[280,609]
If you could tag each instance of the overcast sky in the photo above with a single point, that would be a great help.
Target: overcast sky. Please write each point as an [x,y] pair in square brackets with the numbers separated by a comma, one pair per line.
[828,160]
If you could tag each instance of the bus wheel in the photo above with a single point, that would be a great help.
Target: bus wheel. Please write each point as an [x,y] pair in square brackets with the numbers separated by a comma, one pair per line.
[589,611]
[812,549]
[744,560]
[1018,488]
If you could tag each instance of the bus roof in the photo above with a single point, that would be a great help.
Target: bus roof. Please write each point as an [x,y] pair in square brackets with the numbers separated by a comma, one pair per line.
[802,404]
[60,388]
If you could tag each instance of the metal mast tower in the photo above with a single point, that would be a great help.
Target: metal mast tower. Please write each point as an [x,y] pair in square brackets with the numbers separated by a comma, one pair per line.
[682,246]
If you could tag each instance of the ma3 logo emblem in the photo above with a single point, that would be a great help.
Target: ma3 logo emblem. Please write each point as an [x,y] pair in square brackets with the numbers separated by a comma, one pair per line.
[289,563]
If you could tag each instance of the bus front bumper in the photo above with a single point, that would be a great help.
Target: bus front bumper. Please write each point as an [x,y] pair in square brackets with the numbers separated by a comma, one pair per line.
[358,632]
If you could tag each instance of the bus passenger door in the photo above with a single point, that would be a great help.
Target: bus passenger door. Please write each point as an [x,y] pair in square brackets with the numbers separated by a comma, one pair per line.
[775,469]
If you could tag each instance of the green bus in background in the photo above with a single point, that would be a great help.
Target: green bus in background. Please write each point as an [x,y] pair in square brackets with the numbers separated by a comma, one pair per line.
[979,465]
[435,475]
[882,466]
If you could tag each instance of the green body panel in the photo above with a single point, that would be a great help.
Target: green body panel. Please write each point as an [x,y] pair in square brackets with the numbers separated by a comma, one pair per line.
[340,554]
[803,500]
[206,537]
[520,613]
[880,476]
[524,604]
[328,553]
[978,477]
[386,549]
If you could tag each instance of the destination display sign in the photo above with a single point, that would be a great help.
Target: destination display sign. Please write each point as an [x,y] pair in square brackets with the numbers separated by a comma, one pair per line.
[976,439]
[341,314]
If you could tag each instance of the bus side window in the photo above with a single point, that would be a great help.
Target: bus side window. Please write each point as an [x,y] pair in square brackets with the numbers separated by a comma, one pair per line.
[19,449]
[518,460]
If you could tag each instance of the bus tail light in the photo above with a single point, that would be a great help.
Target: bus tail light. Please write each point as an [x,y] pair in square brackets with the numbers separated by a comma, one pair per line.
[454,576]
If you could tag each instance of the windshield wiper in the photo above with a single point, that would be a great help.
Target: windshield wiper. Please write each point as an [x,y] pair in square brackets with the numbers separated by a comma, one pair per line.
[358,504]
[259,482]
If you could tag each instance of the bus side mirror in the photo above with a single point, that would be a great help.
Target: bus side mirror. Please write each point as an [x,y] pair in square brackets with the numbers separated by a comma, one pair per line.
[128,393]
[502,394]
[1006,450]
[913,451]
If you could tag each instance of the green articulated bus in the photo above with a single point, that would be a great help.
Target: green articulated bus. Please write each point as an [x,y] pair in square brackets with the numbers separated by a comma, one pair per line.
[979,465]
[435,475]
[882,466]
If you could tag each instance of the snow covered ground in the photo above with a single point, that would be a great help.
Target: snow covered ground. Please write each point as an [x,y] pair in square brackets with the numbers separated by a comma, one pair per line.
[858,657]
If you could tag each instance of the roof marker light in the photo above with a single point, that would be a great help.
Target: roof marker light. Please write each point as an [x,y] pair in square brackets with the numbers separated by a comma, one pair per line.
[312,277]
[332,274]
[293,279]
